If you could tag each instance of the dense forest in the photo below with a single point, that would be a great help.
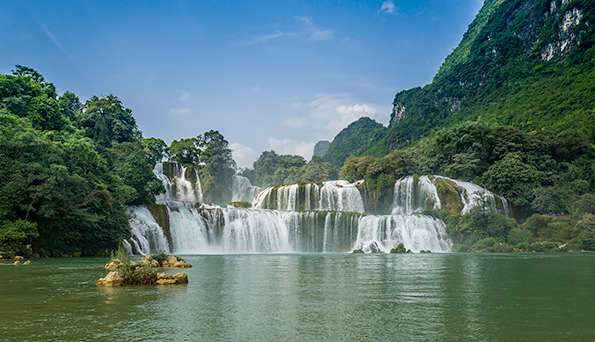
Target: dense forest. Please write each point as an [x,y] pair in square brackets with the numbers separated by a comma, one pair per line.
[68,170]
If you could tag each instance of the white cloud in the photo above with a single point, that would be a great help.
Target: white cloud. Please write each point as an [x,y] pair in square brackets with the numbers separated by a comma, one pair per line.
[304,20]
[242,154]
[321,35]
[266,38]
[290,146]
[329,114]
[183,96]
[180,111]
[307,31]
[388,6]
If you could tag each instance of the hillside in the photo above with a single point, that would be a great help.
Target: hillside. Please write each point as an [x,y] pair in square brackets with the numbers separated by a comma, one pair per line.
[355,139]
[528,64]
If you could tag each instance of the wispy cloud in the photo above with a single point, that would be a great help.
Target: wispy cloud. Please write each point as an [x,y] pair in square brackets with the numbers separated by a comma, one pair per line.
[329,114]
[321,35]
[242,154]
[306,31]
[388,7]
[290,146]
[265,38]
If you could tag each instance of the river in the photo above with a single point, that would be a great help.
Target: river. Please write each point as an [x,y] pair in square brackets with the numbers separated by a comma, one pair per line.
[299,297]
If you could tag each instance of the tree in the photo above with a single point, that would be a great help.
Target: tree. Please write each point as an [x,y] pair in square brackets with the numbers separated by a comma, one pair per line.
[106,120]
[156,150]
[219,166]
[185,151]
[512,178]
[316,171]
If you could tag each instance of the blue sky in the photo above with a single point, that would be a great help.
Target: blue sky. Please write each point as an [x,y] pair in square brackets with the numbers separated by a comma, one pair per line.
[268,74]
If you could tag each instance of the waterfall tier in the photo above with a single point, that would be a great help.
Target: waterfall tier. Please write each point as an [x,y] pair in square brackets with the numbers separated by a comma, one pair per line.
[336,195]
[243,190]
[415,232]
[181,183]
[327,217]
[416,194]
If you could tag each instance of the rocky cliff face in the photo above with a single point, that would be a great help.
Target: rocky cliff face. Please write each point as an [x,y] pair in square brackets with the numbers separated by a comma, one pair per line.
[321,148]
[510,45]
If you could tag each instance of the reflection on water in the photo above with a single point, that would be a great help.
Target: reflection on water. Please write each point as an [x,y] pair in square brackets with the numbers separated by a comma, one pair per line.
[310,297]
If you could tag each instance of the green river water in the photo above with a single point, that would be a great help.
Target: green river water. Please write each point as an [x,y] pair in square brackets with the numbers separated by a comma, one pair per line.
[303,297]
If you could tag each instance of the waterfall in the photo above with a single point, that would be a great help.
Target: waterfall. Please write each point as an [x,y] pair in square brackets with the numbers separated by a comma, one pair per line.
[413,195]
[336,195]
[146,234]
[327,217]
[416,194]
[415,232]
[177,183]
[243,190]
[341,196]
[472,195]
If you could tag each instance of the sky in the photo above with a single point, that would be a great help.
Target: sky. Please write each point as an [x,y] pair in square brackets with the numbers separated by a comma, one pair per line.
[270,75]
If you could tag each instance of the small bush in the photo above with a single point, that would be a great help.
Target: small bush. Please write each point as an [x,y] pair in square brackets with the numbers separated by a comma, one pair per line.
[137,274]
[160,257]
[120,253]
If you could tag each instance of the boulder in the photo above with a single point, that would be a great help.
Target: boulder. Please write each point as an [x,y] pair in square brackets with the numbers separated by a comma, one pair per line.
[358,251]
[113,265]
[182,264]
[113,278]
[168,279]
[400,248]
[27,263]
[19,258]
[17,263]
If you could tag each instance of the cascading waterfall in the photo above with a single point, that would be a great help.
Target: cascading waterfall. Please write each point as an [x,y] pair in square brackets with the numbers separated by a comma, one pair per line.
[178,186]
[415,232]
[243,190]
[416,194]
[336,195]
[146,234]
[327,217]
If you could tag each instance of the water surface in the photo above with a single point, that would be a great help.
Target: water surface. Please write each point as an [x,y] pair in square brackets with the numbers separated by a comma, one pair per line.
[300,297]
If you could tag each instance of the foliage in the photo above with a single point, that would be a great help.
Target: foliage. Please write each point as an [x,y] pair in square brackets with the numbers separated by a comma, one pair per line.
[71,184]
[219,166]
[185,151]
[106,120]
[271,169]
[134,273]
[156,150]
[354,140]
[16,236]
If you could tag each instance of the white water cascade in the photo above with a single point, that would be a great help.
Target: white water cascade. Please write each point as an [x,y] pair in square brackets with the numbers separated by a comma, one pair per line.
[415,232]
[416,194]
[327,217]
[177,183]
[147,235]
[338,195]
[243,190]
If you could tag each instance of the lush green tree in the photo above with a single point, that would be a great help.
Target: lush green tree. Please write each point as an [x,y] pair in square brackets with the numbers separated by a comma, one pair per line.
[134,168]
[156,149]
[218,166]
[512,178]
[16,237]
[106,120]
[271,168]
[185,151]
[316,171]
